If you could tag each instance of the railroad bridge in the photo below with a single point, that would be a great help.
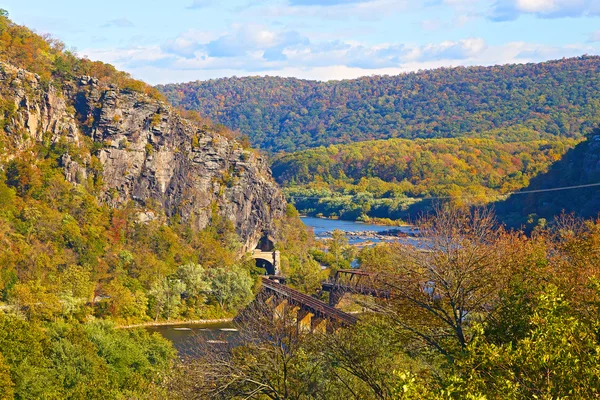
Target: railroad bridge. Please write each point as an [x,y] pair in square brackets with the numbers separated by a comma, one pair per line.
[311,314]
[353,281]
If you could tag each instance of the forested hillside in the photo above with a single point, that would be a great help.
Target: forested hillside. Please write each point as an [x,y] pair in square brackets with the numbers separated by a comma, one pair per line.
[560,98]
[96,230]
[396,178]
[578,171]
[90,220]
[116,210]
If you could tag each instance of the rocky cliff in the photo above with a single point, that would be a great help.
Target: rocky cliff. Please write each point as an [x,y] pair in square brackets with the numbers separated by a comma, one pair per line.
[142,151]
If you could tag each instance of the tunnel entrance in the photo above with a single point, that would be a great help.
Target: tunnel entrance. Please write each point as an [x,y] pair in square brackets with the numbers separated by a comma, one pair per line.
[265,244]
[266,265]
[266,256]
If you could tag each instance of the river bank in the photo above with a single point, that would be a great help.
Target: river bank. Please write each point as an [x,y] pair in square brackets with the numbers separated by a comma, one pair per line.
[384,222]
[387,235]
[171,323]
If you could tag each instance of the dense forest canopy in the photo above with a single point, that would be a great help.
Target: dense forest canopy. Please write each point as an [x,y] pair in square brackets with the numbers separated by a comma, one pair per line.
[391,178]
[560,98]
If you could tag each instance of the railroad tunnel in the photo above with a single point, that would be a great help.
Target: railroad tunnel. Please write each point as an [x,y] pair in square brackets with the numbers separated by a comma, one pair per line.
[266,256]
[266,265]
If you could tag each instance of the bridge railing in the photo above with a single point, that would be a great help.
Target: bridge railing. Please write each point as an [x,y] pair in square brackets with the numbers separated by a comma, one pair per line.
[353,281]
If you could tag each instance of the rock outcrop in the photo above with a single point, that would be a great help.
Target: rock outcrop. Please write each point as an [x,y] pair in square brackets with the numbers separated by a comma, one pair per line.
[146,153]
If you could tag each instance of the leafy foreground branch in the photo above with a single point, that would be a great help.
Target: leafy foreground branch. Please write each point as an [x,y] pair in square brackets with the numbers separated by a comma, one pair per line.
[481,314]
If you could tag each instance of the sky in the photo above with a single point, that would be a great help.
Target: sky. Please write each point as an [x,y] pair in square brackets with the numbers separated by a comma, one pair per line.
[169,41]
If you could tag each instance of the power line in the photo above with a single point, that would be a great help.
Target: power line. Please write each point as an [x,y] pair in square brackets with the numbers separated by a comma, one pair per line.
[472,196]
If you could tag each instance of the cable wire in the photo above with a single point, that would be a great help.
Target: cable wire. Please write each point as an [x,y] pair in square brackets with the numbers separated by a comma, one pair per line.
[472,196]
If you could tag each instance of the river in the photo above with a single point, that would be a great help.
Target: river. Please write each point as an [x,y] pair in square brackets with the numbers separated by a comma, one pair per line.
[322,226]
[183,336]
[372,233]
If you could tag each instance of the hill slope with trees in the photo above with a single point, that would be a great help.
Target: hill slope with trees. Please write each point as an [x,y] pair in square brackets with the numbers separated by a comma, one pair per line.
[576,175]
[560,98]
[397,178]
[96,175]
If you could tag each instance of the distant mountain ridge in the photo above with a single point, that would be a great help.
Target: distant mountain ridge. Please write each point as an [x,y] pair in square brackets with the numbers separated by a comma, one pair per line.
[558,98]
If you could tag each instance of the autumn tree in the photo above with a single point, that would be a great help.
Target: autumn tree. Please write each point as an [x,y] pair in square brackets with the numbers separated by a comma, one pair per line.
[557,358]
[454,279]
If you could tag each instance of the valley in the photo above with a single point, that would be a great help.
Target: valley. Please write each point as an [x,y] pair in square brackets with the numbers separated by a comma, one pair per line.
[386,149]
[432,233]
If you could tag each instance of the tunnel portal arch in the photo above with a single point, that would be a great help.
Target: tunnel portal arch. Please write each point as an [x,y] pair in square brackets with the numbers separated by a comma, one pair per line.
[266,256]
[267,265]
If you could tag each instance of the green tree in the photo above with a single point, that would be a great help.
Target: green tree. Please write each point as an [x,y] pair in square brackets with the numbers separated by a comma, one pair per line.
[6,384]
[558,358]
[230,288]
[194,277]
[339,253]
[166,295]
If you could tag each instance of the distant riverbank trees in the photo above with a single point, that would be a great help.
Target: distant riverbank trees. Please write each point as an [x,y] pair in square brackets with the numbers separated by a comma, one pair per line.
[395,178]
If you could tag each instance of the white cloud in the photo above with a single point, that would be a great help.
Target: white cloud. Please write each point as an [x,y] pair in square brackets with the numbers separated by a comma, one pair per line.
[595,36]
[504,10]
[253,49]
[119,23]
[543,6]
[449,50]
[188,43]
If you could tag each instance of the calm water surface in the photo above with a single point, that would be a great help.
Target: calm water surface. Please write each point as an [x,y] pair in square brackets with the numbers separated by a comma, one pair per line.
[185,336]
[322,225]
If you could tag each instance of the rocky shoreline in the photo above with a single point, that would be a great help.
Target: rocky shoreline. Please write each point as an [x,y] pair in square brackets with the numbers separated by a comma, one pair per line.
[178,322]
[386,235]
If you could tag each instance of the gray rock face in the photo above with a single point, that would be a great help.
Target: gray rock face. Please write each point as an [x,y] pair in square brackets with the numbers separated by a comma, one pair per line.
[148,153]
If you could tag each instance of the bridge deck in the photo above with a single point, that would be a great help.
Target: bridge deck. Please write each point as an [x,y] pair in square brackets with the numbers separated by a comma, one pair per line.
[318,306]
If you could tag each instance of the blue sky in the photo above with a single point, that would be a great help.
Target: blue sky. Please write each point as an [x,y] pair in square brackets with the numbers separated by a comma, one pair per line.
[184,40]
